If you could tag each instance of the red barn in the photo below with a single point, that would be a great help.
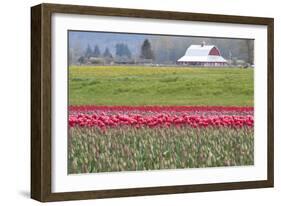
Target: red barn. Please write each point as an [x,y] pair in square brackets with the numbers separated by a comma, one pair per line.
[202,55]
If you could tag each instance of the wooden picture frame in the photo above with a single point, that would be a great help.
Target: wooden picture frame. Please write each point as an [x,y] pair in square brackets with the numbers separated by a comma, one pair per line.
[41,96]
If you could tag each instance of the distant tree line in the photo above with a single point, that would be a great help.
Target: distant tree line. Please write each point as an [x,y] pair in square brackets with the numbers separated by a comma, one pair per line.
[122,53]
[160,50]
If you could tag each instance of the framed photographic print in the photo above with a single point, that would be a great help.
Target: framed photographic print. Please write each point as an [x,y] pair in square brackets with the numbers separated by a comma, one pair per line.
[128,102]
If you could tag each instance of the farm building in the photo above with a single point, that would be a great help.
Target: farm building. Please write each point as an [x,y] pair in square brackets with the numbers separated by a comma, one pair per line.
[202,55]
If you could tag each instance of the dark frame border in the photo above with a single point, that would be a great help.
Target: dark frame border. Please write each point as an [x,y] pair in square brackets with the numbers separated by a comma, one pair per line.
[41,101]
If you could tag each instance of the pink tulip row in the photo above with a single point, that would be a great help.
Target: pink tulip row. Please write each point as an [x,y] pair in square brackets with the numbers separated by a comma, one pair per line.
[159,120]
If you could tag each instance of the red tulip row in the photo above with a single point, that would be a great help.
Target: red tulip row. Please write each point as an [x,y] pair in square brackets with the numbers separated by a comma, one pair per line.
[160,120]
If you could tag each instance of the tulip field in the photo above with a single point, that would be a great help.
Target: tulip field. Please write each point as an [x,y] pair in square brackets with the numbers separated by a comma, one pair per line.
[105,139]
[131,130]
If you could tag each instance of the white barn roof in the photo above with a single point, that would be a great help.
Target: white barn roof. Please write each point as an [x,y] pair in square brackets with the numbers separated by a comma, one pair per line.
[199,53]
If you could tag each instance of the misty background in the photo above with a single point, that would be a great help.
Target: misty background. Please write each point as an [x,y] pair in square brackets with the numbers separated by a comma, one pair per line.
[165,49]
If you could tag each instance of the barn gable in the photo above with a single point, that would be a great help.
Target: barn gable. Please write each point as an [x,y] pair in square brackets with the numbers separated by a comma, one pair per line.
[214,51]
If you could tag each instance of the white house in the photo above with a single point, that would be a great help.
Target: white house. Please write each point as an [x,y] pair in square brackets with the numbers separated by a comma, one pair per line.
[202,55]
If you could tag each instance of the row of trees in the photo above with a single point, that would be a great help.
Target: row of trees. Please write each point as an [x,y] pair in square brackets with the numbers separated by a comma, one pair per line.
[160,49]
[96,53]
[121,51]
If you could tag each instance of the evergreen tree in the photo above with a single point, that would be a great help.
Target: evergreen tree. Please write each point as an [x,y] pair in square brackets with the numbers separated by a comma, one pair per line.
[96,52]
[107,53]
[88,52]
[122,50]
[146,51]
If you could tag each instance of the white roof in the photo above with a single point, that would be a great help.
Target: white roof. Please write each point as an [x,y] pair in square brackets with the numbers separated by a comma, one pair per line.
[199,53]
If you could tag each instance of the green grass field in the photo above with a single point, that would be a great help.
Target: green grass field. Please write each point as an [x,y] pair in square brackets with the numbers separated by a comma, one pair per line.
[138,85]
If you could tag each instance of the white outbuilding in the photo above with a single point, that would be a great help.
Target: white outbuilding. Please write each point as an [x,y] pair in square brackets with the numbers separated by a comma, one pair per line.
[202,55]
